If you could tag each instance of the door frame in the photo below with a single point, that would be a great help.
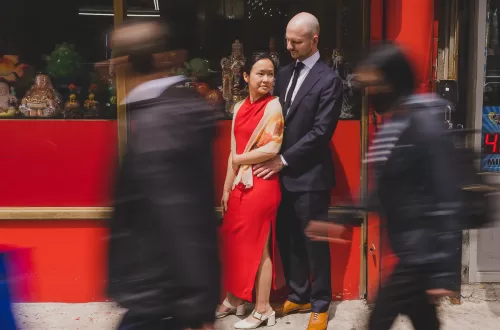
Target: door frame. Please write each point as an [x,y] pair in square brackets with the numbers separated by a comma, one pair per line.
[478,64]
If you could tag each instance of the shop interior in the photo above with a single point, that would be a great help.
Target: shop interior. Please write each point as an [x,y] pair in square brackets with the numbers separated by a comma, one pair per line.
[52,48]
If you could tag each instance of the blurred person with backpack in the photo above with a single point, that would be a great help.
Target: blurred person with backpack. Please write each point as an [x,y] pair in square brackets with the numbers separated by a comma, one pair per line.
[417,193]
[163,252]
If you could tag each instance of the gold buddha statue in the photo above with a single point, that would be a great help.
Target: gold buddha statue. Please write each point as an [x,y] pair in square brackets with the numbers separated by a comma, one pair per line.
[41,100]
[7,101]
[72,103]
[91,106]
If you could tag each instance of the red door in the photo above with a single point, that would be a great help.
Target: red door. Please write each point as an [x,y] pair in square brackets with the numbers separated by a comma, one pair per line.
[410,24]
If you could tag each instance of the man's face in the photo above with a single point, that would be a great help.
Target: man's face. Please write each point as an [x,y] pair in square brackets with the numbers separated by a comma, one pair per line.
[300,42]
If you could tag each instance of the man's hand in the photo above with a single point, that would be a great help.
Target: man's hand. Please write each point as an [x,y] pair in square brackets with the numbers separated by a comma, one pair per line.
[436,294]
[327,232]
[268,168]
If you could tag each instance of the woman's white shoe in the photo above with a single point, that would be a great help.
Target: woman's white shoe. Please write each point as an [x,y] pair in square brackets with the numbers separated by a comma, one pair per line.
[270,320]
[237,310]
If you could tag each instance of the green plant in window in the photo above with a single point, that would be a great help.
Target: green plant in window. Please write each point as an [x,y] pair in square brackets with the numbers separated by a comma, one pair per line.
[196,68]
[64,62]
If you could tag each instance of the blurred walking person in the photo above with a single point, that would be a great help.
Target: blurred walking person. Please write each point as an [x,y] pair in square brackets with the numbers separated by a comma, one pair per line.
[418,193]
[163,256]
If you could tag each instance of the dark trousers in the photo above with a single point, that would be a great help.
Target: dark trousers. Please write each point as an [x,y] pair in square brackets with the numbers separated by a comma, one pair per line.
[136,322]
[306,264]
[404,293]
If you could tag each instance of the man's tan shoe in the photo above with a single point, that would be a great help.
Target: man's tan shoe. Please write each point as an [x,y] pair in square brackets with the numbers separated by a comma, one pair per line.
[291,307]
[318,321]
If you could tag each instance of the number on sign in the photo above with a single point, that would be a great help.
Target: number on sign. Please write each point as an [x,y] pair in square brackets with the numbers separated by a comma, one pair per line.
[490,141]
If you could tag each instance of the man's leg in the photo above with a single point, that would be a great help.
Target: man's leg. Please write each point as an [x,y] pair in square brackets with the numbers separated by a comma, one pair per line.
[293,250]
[402,294]
[312,206]
[423,314]
[386,307]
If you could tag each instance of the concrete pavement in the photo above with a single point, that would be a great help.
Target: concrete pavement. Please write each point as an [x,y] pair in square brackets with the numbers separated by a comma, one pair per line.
[480,310]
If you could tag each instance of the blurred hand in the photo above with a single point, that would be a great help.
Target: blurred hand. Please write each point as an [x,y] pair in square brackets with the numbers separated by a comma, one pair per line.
[224,200]
[268,168]
[325,231]
[207,326]
[436,294]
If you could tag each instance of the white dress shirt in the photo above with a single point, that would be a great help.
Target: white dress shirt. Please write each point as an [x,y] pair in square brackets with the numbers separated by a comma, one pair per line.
[308,64]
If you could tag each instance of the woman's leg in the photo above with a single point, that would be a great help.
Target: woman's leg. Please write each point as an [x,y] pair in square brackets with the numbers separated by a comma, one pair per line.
[263,283]
[233,300]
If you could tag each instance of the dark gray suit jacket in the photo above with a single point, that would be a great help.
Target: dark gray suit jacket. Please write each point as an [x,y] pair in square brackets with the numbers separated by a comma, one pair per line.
[309,127]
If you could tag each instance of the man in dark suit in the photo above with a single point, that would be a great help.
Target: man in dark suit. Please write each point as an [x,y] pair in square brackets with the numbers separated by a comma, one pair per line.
[311,95]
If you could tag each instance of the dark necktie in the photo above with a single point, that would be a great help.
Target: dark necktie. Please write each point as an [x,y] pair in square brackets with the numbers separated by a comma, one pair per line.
[296,72]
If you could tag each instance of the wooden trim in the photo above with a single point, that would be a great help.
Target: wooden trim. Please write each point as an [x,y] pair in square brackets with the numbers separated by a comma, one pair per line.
[55,213]
[83,213]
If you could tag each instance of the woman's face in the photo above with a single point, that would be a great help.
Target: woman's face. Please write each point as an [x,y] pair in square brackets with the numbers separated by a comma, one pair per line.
[261,78]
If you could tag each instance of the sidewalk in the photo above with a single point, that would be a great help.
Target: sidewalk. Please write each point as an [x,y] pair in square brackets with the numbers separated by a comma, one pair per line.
[480,310]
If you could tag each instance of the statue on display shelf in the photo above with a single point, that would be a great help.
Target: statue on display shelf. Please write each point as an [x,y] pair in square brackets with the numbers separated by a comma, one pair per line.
[91,107]
[72,107]
[273,52]
[42,100]
[233,90]
[8,101]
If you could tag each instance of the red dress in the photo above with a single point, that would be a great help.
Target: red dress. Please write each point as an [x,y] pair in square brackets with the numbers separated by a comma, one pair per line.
[251,213]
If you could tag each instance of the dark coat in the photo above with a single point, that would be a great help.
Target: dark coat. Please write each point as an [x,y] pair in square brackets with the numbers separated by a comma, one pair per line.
[163,251]
[418,192]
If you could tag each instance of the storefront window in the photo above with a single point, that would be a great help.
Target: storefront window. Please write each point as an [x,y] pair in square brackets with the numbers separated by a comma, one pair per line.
[49,50]
[219,34]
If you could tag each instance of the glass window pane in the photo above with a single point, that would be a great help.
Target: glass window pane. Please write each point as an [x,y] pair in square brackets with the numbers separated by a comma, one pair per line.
[59,42]
[208,29]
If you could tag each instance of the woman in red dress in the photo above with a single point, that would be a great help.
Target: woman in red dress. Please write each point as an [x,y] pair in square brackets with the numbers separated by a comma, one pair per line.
[250,203]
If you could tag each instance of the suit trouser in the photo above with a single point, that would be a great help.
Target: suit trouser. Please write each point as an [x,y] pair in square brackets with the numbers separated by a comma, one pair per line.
[404,293]
[306,264]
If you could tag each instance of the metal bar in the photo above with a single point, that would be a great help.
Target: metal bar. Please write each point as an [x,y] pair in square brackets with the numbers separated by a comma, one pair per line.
[363,275]
[384,20]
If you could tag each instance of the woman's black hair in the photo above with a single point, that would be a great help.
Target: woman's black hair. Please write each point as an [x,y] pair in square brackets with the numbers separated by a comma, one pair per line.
[391,61]
[250,62]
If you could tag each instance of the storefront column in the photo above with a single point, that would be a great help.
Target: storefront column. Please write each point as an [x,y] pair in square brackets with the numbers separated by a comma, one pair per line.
[120,13]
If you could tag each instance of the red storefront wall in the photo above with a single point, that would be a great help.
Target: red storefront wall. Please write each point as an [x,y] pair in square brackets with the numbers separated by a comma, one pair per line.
[70,164]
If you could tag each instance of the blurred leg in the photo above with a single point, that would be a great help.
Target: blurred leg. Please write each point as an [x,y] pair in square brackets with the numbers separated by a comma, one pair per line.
[134,322]
[423,314]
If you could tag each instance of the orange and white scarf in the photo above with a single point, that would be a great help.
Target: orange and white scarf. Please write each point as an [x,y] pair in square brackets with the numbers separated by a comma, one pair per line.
[267,138]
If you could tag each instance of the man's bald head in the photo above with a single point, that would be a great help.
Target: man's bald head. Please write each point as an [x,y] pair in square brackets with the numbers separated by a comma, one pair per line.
[305,21]
[302,35]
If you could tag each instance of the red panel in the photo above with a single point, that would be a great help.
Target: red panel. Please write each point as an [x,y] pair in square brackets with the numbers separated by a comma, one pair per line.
[57,162]
[66,259]
[73,161]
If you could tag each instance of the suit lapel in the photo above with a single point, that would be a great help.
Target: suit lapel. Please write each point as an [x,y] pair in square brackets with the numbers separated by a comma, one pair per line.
[311,79]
